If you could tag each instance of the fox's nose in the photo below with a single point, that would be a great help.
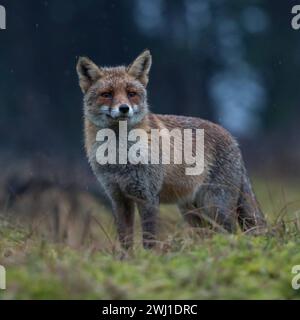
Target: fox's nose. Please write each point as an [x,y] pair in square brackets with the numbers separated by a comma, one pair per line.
[124,108]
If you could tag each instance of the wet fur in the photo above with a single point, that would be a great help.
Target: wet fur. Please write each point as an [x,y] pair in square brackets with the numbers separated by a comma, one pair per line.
[221,196]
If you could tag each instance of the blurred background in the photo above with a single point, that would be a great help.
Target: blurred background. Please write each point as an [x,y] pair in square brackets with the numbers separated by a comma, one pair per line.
[234,62]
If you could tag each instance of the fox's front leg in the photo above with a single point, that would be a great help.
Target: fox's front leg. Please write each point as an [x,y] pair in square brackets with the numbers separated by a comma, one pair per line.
[123,210]
[148,210]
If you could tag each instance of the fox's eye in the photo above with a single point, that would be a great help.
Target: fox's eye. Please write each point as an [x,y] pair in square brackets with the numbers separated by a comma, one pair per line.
[107,95]
[131,94]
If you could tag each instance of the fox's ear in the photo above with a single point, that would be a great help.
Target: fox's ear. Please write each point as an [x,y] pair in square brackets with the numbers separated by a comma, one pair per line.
[140,67]
[88,73]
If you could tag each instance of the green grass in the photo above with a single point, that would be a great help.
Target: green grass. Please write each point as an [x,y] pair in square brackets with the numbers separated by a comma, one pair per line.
[186,265]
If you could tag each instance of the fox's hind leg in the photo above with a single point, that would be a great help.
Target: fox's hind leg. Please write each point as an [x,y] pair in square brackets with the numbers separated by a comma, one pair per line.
[191,214]
[218,206]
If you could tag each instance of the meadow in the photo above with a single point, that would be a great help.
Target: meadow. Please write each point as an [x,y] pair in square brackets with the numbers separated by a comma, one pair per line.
[187,263]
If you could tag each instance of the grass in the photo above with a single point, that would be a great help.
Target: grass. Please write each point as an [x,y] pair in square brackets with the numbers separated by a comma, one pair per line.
[186,265]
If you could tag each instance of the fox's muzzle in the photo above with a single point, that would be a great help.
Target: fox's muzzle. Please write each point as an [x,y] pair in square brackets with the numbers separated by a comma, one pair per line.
[123,111]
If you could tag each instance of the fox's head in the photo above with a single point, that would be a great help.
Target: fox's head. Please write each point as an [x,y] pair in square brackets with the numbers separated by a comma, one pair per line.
[112,94]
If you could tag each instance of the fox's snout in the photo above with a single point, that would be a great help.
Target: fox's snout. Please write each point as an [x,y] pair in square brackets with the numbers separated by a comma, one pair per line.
[121,111]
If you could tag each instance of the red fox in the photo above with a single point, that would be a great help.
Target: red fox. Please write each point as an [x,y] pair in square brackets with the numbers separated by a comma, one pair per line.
[220,196]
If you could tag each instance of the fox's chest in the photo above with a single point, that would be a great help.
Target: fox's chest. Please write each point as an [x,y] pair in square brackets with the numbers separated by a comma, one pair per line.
[123,170]
[128,169]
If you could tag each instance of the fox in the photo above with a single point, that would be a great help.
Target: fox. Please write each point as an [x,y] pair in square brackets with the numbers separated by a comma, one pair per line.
[220,197]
